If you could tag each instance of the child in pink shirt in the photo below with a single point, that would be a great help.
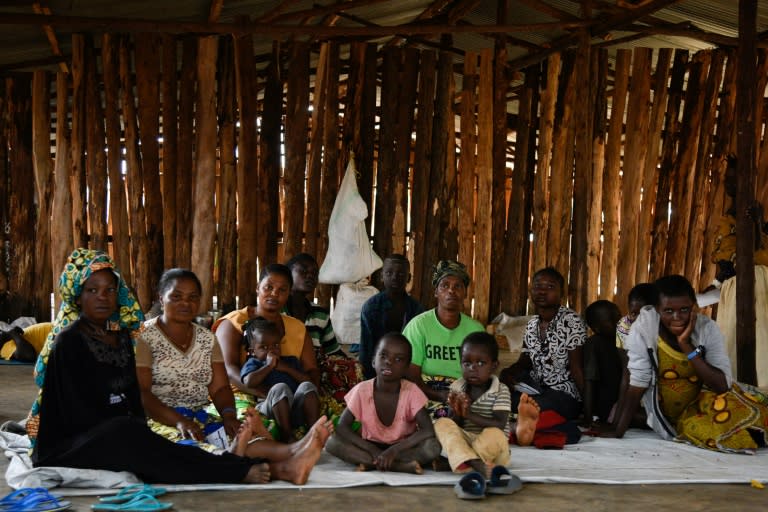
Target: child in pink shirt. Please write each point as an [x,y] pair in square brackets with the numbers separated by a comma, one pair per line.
[396,431]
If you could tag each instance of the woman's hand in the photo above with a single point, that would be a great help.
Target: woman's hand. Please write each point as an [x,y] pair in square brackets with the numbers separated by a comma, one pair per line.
[683,340]
[189,429]
[231,425]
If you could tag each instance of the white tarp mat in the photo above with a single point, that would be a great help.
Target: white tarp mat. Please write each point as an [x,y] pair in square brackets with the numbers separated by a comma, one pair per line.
[640,458]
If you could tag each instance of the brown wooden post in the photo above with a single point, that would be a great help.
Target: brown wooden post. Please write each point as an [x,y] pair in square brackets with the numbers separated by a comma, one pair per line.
[315,152]
[468,164]
[585,194]
[745,257]
[517,246]
[186,151]
[247,176]
[485,183]
[406,104]
[22,218]
[269,161]
[365,132]
[330,168]
[599,73]
[652,160]
[226,281]
[118,209]
[61,225]
[77,141]
[43,167]
[169,93]
[668,156]
[422,153]
[611,178]
[96,159]
[296,125]
[682,184]
[204,217]
[635,151]
[134,182]
[541,188]
[386,170]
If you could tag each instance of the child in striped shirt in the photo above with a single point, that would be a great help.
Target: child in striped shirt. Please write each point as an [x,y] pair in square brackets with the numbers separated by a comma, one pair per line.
[476,437]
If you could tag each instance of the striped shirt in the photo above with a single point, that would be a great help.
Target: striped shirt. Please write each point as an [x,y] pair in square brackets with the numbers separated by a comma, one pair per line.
[496,398]
[319,328]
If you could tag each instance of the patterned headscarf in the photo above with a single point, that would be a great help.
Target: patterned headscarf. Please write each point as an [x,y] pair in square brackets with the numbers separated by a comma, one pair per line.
[449,268]
[81,264]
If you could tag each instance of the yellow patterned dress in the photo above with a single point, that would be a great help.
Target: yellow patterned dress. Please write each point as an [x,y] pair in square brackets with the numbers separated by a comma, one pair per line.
[706,419]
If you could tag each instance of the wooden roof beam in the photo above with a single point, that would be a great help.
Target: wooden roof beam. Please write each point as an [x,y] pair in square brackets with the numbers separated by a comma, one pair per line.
[549,10]
[597,29]
[687,30]
[270,30]
[214,12]
[51,36]
[34,63]
[324,10]
[276,11]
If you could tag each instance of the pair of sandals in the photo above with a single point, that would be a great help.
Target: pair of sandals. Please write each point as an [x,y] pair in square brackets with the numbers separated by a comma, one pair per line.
[33,499]
[473,486]
[138,498]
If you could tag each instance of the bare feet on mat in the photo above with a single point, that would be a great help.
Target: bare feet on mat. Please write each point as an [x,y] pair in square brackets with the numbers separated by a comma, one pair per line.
[256,423]
[408,467]
[527,417]
[258,474]
[297,468]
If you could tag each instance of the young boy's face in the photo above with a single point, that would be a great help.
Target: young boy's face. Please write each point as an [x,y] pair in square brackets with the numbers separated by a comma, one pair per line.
[545,291]
[263,343]
[391,359]
[605,323]
[395,275]
[476,364]
[635,305]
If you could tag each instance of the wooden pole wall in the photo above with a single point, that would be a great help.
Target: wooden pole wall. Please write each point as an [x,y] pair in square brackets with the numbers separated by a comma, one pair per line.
[593,151]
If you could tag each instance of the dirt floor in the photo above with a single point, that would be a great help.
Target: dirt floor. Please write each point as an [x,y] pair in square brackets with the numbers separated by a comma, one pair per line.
[19,391]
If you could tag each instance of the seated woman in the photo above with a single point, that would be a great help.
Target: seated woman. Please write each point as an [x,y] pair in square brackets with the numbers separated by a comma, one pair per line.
[275,285]
[179,365]
[551,361]
[24,344]
[338,372]
[678,366]
[436,335]
[89,413]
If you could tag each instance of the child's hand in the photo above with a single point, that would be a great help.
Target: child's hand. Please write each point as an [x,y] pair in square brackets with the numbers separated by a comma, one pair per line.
[272,360]
[459,402]
[385,459]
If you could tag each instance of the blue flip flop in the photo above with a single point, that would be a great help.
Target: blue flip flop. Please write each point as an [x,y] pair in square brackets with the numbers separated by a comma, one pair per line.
[139,503]
[470,487]
[130,492]
[36,499]
[503,482]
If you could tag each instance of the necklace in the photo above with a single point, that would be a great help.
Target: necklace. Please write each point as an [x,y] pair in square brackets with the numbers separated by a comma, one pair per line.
[188,335]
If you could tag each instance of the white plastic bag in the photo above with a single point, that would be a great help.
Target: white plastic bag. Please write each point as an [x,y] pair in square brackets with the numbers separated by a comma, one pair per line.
[346,312]
[350,256]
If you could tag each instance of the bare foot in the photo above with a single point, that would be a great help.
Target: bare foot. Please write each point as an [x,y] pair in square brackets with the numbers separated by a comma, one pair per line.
[527,417]
[258,474]
[408,467]
[256,423]
[240,442]
[297,468]
[441,464]
[365,467]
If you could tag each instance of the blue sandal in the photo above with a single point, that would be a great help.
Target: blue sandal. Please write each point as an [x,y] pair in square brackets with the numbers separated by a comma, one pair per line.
[470,487]
[36,499]
[130,492]
[503,482]
[139,503]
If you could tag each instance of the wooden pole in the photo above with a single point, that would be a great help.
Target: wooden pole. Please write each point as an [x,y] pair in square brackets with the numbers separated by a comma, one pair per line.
[118,209]
[22,218]
[314,162]
[599,77]
[247,177]
[96,158]
[422,153]
[134,182]
[269,152]
[184,160]
[745,256]
[170,149]
[77,141]
[386,171]
[485,183]
[61,225]
[42,165]
[204,217]
[611,177]
[296,126]
[226,282]
[468,164]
